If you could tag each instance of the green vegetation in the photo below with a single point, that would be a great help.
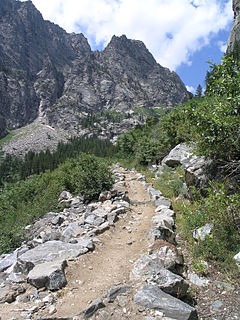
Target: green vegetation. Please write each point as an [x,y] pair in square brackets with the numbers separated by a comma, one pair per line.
[212,124]
[106,115]
[220,209]
[23,202]
[14,169]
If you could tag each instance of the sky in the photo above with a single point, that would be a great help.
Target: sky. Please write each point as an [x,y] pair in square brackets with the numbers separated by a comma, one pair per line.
[183,35]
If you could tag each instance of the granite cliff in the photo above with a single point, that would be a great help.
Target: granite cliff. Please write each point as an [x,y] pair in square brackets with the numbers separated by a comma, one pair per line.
[53,76]
[235,33]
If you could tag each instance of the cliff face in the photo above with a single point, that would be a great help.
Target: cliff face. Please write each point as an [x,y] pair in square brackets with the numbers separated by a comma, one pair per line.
[234,38]
[49,74]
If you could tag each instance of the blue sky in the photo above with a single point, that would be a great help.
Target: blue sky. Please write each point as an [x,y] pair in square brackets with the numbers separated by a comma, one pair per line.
[195,73]
[181,34]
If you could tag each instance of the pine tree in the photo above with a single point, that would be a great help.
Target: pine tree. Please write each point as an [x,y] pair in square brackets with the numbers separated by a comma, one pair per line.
[198,93]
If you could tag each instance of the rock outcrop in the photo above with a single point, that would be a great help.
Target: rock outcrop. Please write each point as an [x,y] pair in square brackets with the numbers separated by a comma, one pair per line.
[233,42]
[50,75]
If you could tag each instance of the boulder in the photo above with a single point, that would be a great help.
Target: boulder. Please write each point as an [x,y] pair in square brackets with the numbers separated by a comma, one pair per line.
[237,259]
[58,220]
[49,275]
[178,156]
[152,297]
[101,212]
[167,256]
[73,230]
[159,232]
[162,201]
[48,252]
[8,260]
[154,194]
[201,233]
[151,271]
[198,172]
[65,196]
[94,220]
[163,220]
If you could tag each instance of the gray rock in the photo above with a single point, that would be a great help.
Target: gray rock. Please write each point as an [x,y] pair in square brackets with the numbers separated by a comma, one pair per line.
[100,212]
[121,204]
[201,233]
[92,308]
[177,156]
[8,260]
[72,230]
[65,196]
[162,201]
[151,271]
[58,220]
[154,194]
[196,280]
[115,291]
[235,32]
[197,172]
[94,220]
[167,257]
[103,227]
[49,275]
[161,233]
[9,292]
[237,259]
[48,252]
[217,305]
[162,220]
[106,195]
[16,277]
[152,297]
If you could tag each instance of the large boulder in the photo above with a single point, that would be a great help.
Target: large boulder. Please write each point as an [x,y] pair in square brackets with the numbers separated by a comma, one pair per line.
[152,297]
[48,252]
[198,170]
[49,275]
[178,156]
[150,271]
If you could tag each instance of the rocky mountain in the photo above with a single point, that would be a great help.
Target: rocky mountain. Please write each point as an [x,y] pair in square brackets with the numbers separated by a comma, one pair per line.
[235,33]
[55,77]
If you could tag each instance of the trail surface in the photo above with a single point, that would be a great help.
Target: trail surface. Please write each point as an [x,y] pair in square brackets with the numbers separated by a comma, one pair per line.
[112,260]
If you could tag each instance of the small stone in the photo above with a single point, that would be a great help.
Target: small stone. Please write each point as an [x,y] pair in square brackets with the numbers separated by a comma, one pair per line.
[52,310]
[217,305]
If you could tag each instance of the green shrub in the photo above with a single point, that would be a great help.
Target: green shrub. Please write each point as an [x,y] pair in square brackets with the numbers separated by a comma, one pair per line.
[23,202]
[171,182]
[217,208]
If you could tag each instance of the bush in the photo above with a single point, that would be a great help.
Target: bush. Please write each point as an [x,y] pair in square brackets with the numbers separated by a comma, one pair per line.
[23,202]
[217,208]
[87,175]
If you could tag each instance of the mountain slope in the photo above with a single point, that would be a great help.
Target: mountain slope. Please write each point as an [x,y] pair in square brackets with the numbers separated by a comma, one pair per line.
[48,74]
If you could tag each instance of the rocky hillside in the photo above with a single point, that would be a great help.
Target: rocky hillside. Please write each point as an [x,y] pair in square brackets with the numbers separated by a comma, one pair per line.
[48,74]
[235,33]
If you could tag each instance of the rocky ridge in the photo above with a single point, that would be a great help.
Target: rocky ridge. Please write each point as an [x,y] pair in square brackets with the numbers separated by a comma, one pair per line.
[55,77]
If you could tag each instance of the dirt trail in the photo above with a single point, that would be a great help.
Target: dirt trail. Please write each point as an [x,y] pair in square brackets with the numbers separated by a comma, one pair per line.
[112,260]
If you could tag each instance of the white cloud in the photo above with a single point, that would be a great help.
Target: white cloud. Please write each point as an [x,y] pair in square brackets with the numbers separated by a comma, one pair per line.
[171,29]
[191,89]
[222,46]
